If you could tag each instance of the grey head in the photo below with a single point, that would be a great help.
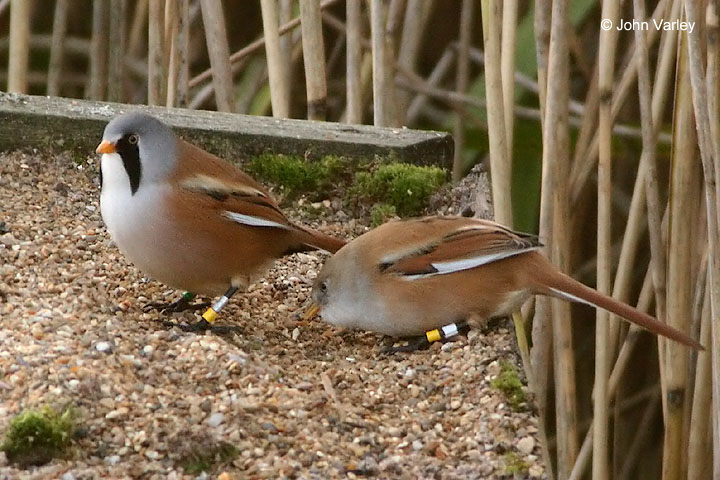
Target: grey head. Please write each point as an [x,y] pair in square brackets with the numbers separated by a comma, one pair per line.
[147,147]
[341,292]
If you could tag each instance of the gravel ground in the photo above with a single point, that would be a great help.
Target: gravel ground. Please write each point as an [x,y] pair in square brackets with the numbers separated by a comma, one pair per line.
[297,400]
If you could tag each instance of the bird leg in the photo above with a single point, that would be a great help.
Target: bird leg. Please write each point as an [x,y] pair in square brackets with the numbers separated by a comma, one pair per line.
[206,323]
[422,342]
[182,304]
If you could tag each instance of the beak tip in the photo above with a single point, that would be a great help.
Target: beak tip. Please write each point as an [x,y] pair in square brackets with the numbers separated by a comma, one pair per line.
[311,312]
[105,147]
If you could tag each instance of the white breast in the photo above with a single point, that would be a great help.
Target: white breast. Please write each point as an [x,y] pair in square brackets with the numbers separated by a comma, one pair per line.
[135,222]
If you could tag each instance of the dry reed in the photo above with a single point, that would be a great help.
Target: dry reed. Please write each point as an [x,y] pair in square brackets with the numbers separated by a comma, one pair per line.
[604,335]
[381,68]
[18,56]
[156,79]
[276,60]
[353,90]
[462,79]
[57,51]
[219,53]
[314,59]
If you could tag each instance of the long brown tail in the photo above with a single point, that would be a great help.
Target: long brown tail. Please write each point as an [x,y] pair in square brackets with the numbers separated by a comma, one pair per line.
[560,285]
[315,240]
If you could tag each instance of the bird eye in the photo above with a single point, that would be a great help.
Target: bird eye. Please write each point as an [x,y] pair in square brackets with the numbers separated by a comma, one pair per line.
[133,139]
[323,287]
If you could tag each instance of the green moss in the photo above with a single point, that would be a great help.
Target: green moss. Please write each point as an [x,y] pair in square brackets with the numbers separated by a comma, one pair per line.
[35,437]
[515,465]
[296,176]
[509,383]
[385,186]
[381,213]
[401,185]
[209,458]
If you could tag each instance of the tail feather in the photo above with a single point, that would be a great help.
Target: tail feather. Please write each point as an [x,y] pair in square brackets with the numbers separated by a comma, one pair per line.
[314,240]
[560,285]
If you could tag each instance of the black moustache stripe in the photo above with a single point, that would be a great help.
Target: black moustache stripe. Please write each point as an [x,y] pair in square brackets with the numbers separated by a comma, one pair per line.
[132,166]
[130,154]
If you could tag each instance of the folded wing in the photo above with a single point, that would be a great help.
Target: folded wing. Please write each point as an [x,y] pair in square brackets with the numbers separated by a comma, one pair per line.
[472,244]
[239,202]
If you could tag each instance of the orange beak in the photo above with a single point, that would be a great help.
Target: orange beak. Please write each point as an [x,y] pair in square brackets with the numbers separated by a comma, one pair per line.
[105,147]
[311,312]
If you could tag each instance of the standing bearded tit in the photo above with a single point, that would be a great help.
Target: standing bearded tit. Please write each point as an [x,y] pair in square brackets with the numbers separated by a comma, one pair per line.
[189,219]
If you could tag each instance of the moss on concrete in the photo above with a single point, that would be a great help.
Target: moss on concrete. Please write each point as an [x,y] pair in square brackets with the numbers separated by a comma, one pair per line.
[296,176]
[381,213]
[403,186]
[380,187]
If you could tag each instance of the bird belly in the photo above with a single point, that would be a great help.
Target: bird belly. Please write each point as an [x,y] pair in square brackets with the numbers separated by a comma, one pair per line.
[394,312]
[144,232]
[369,314]
[398,307]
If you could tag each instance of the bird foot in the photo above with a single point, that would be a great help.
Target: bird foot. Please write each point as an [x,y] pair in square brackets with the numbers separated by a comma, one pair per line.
[422,342]
[414,344]
[202,326]
[180,305]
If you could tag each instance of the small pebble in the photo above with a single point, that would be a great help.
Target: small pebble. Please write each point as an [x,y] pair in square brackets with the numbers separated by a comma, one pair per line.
[152,454]
[104,347]
[526,445]
[269,426]
[536,471]
[8,240]
[216,419]
[120,412]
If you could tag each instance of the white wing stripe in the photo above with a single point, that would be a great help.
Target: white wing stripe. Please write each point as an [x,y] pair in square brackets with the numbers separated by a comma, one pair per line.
[468,263]
[253,221]
[393,257]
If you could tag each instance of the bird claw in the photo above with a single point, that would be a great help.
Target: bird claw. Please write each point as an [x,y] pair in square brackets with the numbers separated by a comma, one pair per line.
[414,344]
[179,305]
[202,326]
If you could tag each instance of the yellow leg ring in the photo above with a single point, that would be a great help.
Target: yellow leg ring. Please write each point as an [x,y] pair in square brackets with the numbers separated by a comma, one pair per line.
[210,315]
[433,335]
